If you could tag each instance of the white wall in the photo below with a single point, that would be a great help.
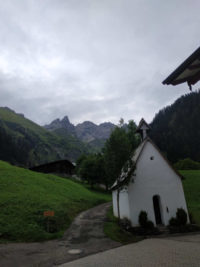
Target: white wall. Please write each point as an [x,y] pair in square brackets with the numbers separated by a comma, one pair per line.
[123,203]
[114,199]
[155,177]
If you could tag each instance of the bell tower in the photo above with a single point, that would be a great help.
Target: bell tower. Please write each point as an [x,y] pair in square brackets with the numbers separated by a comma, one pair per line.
[143,128]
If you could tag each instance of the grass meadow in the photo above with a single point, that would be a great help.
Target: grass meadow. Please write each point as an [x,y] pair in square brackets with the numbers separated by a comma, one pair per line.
[191,185]
[25,195]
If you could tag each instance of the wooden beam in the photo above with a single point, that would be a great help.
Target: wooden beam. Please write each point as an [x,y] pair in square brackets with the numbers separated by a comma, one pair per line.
[190,79]
[194,79]
[194,67]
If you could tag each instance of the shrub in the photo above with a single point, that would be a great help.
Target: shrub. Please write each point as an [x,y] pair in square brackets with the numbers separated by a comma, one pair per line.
[181,216]
[187,164]
[179,224]
[143,219]
[126,224]
[149,225]
[144,222]
[180,220]
[173,222]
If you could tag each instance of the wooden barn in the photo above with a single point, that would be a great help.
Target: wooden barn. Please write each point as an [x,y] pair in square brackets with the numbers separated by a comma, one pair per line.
[62,167]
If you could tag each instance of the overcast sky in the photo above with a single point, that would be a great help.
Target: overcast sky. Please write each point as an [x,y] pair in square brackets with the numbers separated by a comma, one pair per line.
[96,60]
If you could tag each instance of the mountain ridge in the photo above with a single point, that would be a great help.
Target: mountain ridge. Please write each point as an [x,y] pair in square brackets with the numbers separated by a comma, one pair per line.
[175,129]
[25,143]
[87,131]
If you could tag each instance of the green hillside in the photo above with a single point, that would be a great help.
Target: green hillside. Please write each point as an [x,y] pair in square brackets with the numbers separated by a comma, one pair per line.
[25,143]
[25,195]
[176,128]
[191,185]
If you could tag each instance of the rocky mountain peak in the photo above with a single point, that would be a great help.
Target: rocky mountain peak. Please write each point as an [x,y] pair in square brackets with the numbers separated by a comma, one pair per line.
[61,124]
[86,131]
[65,120]
[66,124]
[55,124]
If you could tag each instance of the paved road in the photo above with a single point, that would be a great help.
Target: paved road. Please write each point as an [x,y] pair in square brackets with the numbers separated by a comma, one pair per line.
[85,234]
[181,251]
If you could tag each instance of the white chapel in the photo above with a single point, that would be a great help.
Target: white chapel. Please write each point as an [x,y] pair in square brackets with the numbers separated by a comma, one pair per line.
[154,186]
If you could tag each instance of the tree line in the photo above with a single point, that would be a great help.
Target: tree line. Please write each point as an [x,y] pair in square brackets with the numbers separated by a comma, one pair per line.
[176,128]
[105,167]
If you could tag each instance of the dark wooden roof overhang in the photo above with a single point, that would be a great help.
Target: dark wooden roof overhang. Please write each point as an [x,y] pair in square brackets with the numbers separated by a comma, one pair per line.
[63,161]
[188,71]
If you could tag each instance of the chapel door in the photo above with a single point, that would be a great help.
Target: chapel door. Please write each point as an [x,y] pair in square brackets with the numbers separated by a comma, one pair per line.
[157,211]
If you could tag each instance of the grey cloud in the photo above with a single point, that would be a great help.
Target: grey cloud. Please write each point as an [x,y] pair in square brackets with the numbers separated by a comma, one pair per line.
[93,60]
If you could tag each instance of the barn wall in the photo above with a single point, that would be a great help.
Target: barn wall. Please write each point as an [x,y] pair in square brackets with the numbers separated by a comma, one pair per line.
[155,177]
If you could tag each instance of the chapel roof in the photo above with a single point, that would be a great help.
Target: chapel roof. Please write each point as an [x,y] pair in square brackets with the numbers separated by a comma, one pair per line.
[123,176]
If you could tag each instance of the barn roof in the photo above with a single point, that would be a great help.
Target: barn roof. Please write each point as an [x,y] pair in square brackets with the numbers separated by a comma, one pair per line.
[63,161]
[123,177]
[188,71]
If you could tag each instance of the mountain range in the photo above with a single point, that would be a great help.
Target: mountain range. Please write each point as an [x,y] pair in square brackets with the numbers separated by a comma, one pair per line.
[88,132]
[25,143]
[175,129]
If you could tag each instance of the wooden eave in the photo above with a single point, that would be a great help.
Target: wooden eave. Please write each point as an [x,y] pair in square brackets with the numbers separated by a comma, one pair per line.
[189,68]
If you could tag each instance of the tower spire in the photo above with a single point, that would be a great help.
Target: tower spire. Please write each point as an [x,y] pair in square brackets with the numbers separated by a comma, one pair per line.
[142,128]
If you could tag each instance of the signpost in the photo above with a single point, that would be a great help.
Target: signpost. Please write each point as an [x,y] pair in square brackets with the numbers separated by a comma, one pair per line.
[48,213]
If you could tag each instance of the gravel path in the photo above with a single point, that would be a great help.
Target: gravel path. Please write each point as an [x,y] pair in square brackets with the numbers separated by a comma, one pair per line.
[85,236]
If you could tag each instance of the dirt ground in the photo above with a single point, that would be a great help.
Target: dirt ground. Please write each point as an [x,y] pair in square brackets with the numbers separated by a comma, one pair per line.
[85,234]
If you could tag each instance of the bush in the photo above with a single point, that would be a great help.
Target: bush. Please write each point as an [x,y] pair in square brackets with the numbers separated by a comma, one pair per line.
[143,219]
[180,220]
[126,224]
[144,222]
[181,217]
[187,164]
[149,225]
[173,222]
[179,224]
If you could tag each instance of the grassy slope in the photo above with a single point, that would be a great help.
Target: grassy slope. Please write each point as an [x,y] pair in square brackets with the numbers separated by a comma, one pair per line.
[25,195]
[46,136]
[192,192]
[41,145]
[10,116]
